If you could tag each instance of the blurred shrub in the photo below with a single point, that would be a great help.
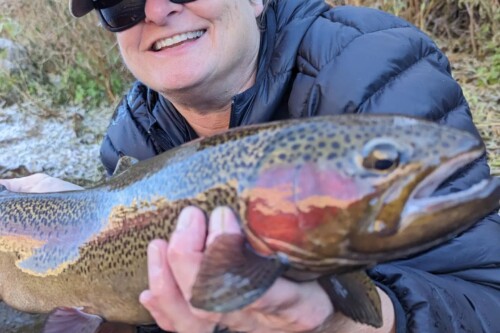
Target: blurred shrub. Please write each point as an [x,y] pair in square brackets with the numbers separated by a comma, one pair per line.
[74,61]
[490,75]
[466,25]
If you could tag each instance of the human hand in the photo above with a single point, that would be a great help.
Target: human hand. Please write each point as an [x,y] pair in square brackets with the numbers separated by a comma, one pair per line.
[38,183]
[285,307]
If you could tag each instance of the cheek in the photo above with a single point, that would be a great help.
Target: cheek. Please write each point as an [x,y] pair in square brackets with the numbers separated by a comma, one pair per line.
[234,15]
[239,30]
[129,43]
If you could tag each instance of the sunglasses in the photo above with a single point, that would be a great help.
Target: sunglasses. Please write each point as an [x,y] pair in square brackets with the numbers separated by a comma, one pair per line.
[119,15]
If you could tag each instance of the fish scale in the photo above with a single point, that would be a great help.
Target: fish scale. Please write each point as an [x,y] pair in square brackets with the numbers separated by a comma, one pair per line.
[309,199]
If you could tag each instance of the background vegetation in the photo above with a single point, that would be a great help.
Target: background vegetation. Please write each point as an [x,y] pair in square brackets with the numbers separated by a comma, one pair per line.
[75,62]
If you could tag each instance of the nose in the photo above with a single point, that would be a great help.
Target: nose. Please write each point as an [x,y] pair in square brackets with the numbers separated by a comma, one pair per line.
[158,11]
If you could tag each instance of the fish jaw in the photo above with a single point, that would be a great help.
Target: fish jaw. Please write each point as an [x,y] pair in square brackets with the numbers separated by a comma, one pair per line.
[426,219]
[421,200]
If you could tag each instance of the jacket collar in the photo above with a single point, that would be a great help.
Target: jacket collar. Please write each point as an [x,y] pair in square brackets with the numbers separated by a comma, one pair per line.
[285,24]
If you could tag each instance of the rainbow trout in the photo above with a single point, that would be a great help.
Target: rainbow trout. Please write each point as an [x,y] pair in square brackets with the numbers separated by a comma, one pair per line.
[324,197]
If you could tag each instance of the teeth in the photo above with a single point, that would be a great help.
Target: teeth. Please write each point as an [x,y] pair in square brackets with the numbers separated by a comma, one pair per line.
[177,39]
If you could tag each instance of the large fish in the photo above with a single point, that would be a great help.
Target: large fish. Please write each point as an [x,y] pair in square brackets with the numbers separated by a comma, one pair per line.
[325,196]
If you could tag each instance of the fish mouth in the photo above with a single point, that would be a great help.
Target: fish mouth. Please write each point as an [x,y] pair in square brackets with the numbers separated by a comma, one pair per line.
[423,199]
[429,218]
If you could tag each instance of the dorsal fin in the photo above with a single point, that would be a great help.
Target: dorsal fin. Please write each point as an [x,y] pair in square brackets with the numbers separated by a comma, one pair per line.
[123,164]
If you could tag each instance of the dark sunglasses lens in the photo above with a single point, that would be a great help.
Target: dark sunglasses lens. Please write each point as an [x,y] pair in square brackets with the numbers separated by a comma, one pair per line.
[119,15]
[123,15]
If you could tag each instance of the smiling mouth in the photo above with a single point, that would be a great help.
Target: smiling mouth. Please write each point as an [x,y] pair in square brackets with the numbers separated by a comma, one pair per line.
[177,40]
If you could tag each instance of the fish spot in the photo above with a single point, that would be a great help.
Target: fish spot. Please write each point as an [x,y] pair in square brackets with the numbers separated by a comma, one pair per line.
[445,144]
[332,156]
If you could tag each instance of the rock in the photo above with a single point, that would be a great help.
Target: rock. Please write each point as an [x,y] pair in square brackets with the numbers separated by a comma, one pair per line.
[20,171]
[30,143]
[13,321]
[13,57]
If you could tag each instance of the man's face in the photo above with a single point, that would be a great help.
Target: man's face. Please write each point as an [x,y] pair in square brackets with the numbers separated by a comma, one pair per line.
[197,44]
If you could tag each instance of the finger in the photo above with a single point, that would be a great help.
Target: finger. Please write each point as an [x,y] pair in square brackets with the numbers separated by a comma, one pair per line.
[222,220]
[164,299]
[162,286]
[149,301]
[282,295]
[293,306]
[159,279]
[186,247]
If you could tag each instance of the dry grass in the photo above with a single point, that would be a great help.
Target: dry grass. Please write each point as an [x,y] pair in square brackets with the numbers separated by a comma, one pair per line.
[74,60]
[468,25]
[484,102]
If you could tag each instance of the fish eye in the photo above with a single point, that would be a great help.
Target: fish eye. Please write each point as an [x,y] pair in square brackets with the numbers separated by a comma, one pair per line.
[381,156]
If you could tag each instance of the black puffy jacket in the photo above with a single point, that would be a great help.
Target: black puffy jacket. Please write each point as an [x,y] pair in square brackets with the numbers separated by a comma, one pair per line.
[317,60]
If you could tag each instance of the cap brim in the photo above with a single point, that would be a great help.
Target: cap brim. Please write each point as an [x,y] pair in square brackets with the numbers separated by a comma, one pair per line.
[79,8]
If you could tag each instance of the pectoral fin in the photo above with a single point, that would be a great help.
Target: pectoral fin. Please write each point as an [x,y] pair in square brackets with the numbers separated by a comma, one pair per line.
[64,320]
[355,295]
[232,275]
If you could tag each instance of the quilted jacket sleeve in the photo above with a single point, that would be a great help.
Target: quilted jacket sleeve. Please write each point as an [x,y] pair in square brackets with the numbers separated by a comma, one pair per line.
[376,63]
[128,131]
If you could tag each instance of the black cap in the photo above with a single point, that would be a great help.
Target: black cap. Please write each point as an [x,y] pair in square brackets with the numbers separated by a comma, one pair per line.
[79,8]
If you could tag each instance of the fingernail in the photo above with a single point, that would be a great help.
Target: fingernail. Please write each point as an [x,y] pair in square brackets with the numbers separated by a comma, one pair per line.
[145,297]
[225,221]
[184,220]
[154,255]
[219,215]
